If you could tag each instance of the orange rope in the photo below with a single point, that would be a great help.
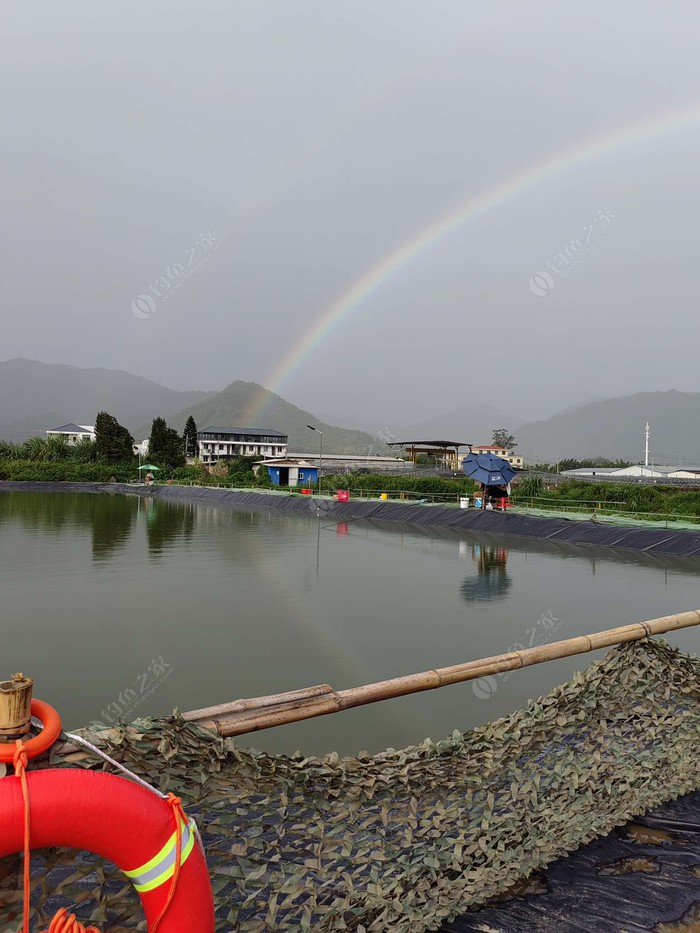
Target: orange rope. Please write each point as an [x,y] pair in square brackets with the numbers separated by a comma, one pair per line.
[180,818]
[20,763]
[63,922]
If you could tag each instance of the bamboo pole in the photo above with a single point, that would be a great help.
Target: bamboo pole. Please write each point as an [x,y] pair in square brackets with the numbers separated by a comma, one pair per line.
[15,707]
[253,703]
[244,716]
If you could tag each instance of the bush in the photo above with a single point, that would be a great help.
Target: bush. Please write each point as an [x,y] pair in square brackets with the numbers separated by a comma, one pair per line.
[622,497]
[194,472]
[529,486]
[68,471]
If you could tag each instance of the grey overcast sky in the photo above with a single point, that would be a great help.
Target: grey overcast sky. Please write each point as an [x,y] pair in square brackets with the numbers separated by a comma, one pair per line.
[312,139]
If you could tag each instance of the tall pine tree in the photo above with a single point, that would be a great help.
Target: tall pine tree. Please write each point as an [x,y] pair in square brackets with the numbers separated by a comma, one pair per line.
[165,446]
[190,437]
[113,443]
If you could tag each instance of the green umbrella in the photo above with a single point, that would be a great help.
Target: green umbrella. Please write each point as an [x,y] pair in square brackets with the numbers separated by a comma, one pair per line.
[149,466]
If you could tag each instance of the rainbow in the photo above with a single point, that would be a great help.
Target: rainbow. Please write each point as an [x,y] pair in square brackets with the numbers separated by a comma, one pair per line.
[392,263]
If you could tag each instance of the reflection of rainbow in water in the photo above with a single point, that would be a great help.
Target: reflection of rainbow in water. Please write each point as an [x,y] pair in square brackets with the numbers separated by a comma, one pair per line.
[320,639]
[400,258]
[350,665]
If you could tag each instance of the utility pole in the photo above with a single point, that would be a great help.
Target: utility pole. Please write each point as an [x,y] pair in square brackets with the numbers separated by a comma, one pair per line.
[320,454]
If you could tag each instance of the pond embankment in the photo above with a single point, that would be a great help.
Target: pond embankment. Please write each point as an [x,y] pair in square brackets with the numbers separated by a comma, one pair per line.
[652,540]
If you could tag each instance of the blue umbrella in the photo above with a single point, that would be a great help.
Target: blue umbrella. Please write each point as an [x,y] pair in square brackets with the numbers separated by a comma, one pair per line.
[487,469]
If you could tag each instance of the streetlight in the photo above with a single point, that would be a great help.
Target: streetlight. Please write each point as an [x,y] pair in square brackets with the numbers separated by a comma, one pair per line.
[320,455]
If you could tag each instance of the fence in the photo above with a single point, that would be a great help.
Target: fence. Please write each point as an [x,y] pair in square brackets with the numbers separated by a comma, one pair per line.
[599,507]
[579,506]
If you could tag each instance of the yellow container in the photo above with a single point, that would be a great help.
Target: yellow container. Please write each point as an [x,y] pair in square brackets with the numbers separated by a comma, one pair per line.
[384,495]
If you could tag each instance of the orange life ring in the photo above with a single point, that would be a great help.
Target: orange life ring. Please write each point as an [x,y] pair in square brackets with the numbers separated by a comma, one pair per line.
[123,822]
[51,722]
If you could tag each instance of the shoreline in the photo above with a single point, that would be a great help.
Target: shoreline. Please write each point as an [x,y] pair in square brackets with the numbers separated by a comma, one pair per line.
[677,543]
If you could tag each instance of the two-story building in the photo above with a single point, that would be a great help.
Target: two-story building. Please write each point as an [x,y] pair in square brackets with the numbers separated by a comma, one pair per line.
[515,460]
[216,443]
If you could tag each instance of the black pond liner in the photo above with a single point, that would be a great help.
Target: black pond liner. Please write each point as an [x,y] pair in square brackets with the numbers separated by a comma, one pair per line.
[653,540]
[619,883]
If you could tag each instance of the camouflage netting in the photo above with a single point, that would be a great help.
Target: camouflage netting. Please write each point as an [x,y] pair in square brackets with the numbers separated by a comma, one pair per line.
[404,839]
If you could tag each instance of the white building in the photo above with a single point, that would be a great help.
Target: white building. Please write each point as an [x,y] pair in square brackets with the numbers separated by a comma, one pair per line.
[514,459]
[639,469]
[225,443]
[73,433]
[348,463]
[636,471]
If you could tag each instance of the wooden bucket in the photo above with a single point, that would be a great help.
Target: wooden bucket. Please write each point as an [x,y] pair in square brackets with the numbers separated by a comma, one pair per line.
[15,707]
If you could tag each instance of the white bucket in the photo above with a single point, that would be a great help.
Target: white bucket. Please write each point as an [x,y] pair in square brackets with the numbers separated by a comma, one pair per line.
[464,502]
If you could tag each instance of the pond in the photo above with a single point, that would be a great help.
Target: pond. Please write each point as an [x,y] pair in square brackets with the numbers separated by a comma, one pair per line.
[122,606]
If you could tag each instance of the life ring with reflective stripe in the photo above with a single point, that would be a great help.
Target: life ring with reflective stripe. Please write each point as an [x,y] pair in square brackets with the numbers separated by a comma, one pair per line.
[120,821]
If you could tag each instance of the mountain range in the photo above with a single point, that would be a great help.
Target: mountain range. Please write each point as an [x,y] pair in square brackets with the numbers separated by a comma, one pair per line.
[35,397]
[614,428]
[242,403]
[38,396]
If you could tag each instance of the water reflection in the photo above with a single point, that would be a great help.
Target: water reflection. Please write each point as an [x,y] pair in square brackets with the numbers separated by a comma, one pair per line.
[291,601]
[112,520]
[166,523]
[109,518]
[491,580]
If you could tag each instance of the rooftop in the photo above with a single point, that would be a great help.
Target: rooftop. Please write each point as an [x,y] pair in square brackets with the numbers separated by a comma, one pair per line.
[287,462]
[440,444]
[72,428]
[256,432]
[358,457]
[491,446]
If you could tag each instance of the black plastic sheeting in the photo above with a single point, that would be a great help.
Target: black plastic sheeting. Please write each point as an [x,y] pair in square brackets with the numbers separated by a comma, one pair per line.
[606,887]
[651,540]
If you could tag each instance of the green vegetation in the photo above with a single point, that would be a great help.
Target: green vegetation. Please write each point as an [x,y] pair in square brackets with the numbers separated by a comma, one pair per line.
[113,443]
[67,471]
[165,447]
[189,437]
[49,449]
[530,486]
[503,438]
[240,470]
[618,497]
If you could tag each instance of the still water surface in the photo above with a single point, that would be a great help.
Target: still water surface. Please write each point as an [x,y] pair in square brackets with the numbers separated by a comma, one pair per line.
[125,606]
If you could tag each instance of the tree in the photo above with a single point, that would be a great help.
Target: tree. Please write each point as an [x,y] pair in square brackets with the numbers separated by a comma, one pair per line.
[190,437]
[165,445]
[113,443]
[502,438]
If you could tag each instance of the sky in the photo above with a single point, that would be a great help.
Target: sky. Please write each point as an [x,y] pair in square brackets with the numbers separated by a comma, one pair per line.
[381,210]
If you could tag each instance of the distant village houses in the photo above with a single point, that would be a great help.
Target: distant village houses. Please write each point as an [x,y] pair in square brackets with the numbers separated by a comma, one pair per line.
[73,433]
[514,459]
[637,471]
